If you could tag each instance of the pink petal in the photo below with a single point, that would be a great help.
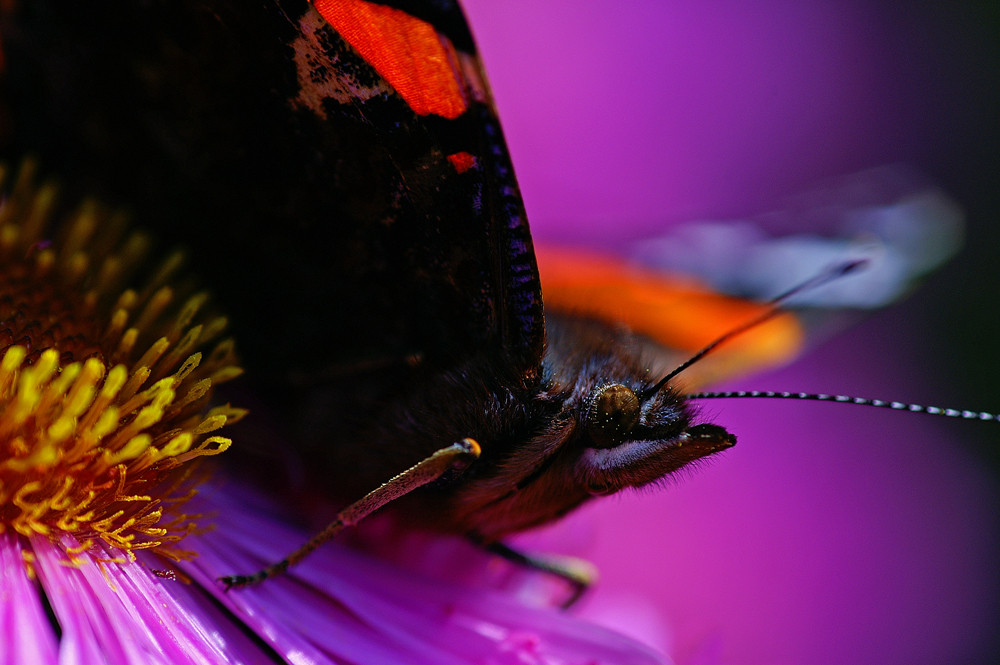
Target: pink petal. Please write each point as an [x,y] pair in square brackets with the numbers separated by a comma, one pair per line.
[27,633]
[345,606]
[121,613]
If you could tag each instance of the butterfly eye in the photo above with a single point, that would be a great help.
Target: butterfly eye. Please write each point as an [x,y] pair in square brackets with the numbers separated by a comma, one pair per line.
[613,412]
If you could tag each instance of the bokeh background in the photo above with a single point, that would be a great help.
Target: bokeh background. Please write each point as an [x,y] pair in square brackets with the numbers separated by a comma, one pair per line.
[830,534]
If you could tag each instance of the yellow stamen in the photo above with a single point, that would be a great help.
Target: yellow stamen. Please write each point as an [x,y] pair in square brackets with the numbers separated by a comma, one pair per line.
[103,393]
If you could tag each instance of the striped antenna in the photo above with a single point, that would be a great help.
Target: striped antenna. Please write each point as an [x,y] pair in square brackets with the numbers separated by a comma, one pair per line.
[845,399]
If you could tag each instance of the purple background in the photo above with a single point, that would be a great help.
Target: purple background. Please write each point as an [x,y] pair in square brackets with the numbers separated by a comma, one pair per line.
[829,535]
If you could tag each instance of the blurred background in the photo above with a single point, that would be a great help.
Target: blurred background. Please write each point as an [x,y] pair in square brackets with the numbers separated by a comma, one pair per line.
[829,534]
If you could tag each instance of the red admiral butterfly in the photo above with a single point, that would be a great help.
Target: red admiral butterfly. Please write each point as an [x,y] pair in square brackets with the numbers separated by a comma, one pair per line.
[387,241]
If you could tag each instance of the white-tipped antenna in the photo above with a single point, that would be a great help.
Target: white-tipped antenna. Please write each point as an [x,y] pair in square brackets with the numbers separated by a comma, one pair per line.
[845,399]
[773,310]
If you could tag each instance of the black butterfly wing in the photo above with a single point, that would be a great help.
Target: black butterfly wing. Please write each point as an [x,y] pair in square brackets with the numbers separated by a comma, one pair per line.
[338,225]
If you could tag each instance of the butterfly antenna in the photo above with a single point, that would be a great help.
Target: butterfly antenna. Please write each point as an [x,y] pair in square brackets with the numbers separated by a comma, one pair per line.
[845,399]
[774,308]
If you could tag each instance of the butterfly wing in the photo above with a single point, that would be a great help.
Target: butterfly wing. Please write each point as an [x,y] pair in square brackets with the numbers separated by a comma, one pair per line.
[677,314]
[349,150]
[698,281]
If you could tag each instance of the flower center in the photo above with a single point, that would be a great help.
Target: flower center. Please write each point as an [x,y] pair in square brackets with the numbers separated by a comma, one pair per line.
[104,389]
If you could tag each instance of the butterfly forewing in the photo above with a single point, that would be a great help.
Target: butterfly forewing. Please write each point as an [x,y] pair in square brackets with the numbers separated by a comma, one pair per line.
[371,232]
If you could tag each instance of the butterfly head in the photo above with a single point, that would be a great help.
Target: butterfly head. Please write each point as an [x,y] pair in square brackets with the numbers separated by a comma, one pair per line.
[626,431]
[632,438]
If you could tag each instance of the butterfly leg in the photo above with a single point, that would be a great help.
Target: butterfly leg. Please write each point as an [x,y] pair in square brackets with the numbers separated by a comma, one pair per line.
[578,573]
[459,455]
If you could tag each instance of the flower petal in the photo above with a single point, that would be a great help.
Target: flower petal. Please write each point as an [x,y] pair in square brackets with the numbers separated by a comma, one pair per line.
[345,606]
[122,613]
[27,632]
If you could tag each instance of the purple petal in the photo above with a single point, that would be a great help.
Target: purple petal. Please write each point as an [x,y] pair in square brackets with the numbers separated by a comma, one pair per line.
[345,606]
[121,613]
[27,634]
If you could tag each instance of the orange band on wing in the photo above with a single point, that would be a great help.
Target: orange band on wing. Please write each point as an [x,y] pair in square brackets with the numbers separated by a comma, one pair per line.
[673,311]
[420,64]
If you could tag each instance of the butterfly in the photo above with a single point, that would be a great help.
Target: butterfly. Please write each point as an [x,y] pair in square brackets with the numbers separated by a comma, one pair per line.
[233,155]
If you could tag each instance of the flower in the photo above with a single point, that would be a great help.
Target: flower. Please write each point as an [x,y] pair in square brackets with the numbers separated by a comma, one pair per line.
[103,389]
[112,539]
[103,417]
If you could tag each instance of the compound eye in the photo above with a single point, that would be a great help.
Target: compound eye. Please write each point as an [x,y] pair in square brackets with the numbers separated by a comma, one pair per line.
[613,413]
